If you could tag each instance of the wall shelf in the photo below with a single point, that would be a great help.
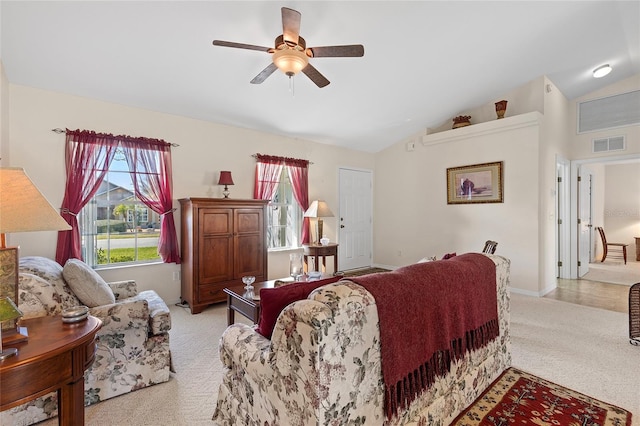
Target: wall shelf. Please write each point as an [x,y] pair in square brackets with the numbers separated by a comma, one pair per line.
[483,129]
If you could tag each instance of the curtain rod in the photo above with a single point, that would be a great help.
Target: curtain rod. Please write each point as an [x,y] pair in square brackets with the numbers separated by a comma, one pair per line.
[256,157]
[58,130]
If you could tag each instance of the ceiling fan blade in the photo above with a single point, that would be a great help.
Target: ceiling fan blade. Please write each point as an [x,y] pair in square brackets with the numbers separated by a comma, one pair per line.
[352,50]
[264,74]
[240,45]
[315,76]
[290,25]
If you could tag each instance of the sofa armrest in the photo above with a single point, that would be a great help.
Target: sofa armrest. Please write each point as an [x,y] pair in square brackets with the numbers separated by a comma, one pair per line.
[241,345]
[119,316]
[159,316]
[123,289]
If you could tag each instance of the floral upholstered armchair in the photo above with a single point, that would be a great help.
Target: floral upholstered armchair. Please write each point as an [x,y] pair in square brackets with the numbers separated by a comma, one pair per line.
[133,343]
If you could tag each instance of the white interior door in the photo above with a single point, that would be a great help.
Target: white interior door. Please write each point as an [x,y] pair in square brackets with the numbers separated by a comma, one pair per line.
[584,221]
[355,219]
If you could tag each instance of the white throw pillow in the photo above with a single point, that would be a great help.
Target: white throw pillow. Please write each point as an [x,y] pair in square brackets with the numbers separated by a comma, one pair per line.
[87,285]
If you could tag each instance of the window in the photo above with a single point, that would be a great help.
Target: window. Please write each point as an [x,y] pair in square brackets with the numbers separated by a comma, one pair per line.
[284,217]
[115,227]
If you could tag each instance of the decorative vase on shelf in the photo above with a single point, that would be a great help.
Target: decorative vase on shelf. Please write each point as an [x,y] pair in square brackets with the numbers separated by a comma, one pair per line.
[501,108]
[461,121]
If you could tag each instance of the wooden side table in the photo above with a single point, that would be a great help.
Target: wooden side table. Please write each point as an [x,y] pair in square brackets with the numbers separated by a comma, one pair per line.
[638,249]
[54,358]
[317,251]
[251,308]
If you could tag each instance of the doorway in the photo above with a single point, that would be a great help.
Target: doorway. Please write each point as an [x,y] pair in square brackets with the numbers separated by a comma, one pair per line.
[355,219]
[582,240]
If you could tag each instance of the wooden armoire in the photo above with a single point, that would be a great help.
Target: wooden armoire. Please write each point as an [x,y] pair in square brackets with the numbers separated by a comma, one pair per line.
[223,239]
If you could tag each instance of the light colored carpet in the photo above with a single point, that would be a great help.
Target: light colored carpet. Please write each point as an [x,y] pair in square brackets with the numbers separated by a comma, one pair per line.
[585,349]
[612,271]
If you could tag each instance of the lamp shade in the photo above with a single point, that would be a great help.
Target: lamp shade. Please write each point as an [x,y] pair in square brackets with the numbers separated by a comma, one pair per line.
[318,208]
[225,178]
[23,208]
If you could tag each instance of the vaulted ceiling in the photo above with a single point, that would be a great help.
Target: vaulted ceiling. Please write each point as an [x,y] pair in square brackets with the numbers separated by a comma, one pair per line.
[424,61]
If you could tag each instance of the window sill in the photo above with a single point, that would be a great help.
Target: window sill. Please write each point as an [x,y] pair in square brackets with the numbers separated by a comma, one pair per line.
[125,265]
[284,250]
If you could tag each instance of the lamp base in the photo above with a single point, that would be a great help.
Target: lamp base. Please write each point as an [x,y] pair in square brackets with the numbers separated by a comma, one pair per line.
[225,192]
[319,231]
[9,352]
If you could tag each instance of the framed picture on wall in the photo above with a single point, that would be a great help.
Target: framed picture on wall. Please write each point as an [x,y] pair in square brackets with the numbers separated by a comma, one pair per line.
[477,183]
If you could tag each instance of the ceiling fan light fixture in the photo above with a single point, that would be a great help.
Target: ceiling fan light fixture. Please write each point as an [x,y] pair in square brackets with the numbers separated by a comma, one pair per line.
[602,70]
[290,61]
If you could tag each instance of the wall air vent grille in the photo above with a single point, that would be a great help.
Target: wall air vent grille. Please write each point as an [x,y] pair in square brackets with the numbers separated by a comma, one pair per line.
[610,112]
[615,143]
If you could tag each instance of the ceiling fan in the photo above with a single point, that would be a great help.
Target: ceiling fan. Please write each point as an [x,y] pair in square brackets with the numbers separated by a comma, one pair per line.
[290,53]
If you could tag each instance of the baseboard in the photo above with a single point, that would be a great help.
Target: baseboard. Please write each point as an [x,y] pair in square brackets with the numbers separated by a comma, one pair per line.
[389,267]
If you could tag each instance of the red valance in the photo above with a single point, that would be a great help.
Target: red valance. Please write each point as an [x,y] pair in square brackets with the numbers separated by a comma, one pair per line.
[89,136]
[274,159]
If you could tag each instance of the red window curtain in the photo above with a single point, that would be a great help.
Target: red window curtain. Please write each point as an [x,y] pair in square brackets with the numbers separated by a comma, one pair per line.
[268,170]
[299,174]
[87,158]
[149,161]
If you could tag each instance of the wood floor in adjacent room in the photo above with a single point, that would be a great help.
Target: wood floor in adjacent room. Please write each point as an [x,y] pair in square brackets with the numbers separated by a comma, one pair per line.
[613,297]
[606,287]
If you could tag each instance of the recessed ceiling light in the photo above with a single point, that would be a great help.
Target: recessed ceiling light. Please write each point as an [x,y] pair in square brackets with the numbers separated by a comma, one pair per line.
[602,70]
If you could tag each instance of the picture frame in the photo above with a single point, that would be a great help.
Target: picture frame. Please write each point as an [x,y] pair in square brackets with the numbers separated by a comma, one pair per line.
[9,270]
[475,184]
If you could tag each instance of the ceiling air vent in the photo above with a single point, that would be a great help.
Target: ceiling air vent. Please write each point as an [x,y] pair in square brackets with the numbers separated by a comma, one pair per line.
[610,112]
[614,143]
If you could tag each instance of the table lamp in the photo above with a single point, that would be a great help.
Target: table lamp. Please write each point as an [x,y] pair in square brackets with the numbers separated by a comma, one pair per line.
[23,208]
[8,312]
[318,209]
[225,179]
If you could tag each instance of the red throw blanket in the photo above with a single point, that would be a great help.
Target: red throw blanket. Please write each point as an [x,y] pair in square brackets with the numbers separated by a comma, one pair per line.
[431,313]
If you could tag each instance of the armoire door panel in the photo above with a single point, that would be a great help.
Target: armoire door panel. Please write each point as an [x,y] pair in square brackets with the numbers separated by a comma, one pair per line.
[248,221]
[216,221]
[215,259]
[249,258]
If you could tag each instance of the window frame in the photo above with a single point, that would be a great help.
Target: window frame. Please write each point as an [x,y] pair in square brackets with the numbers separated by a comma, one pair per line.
[293,227]
[88,220]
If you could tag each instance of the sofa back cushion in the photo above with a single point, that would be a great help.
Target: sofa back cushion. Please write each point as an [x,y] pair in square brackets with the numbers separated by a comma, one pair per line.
[50,271]
[90,288]
[274,300]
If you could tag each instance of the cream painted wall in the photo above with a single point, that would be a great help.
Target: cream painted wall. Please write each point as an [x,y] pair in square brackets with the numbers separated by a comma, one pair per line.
[4,118]
[412,218]
[205,149]
[554,142]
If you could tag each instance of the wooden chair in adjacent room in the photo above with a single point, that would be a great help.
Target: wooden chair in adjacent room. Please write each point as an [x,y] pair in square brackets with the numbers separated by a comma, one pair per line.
[490,247]
[619,249]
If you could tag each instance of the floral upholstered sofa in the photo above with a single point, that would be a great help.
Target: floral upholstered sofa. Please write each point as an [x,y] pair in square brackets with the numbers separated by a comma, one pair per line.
[133,343]
[322,365]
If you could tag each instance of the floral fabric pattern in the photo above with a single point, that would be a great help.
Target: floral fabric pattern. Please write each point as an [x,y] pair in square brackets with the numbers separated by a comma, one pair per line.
[133,342]
[323,366]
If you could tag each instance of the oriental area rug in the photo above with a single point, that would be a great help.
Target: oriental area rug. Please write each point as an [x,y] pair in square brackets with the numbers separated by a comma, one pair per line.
[519,398]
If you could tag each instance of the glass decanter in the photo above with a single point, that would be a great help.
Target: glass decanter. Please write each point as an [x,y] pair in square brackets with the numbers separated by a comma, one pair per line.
[248,287]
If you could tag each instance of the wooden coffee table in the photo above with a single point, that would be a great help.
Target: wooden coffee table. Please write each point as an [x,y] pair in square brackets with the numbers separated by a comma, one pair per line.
[250,308]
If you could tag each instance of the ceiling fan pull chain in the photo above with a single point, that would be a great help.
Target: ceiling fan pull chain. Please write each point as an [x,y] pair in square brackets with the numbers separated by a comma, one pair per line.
[292,86]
